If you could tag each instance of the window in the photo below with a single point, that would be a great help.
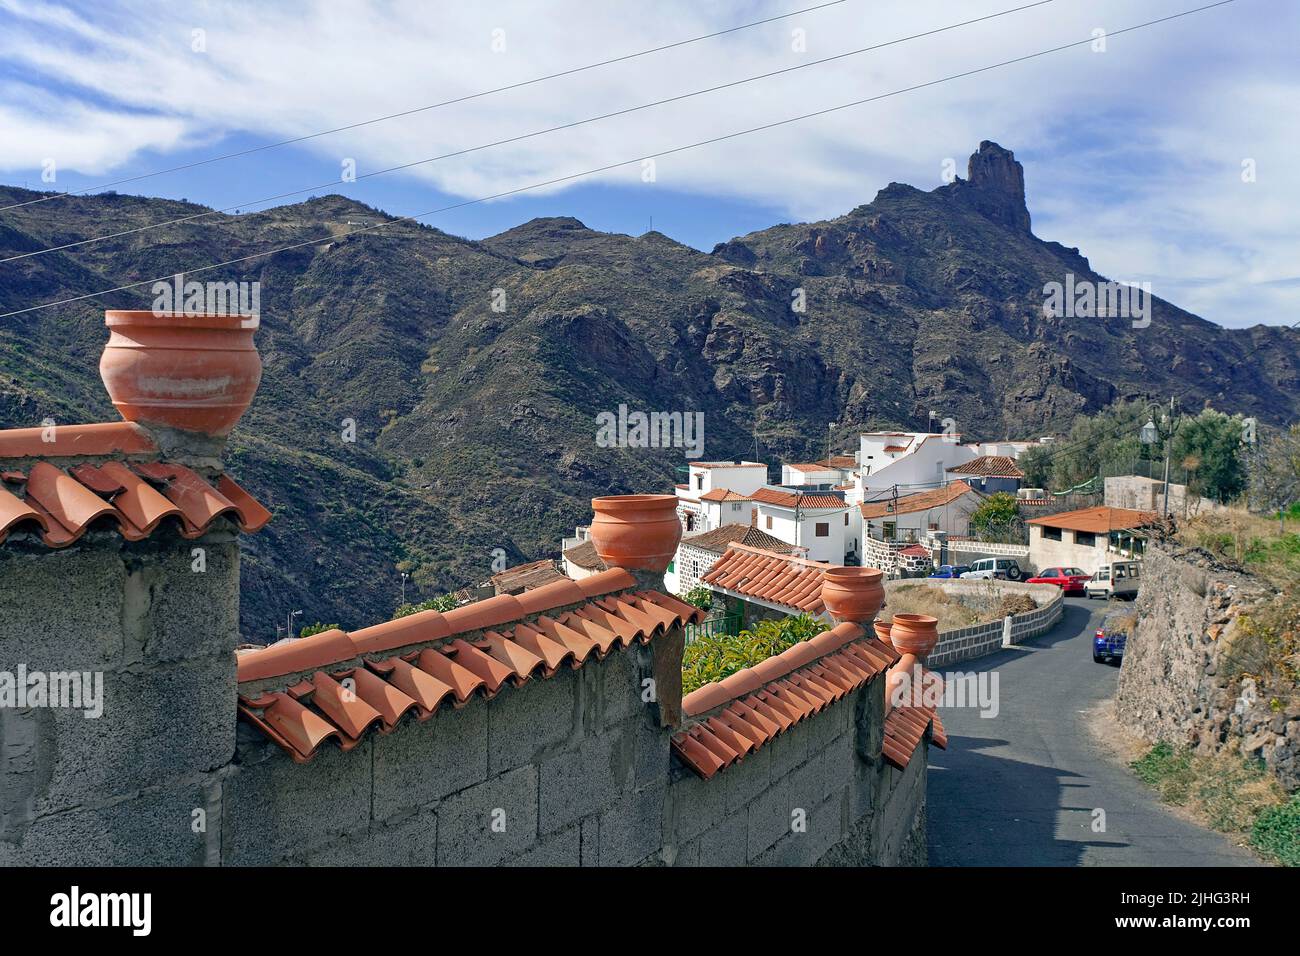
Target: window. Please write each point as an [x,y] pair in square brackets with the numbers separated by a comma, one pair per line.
[822,529]
[1052,534]
[889,530]
[1085,538]
[846,519]
[769,522]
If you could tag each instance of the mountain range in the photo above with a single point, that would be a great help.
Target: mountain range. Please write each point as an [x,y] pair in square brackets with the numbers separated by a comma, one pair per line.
[472,372]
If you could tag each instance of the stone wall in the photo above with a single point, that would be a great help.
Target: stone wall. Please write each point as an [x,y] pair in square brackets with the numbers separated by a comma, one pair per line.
[1176,683]
[964,643]
[158,620]
[570,770]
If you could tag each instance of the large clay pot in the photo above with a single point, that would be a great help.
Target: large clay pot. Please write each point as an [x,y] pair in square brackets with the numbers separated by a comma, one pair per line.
[852,594]
[636,531]
[914,634]
[882,630]
[196,373]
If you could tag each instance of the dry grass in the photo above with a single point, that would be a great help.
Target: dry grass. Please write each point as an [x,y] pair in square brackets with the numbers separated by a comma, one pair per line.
[954,611]
[1257,544]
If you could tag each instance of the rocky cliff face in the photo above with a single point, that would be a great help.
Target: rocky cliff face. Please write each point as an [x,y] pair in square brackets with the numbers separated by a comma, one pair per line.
[474,371]
[1179,682]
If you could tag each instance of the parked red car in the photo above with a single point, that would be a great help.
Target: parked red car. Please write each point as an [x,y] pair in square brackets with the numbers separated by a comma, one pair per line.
[1069,580]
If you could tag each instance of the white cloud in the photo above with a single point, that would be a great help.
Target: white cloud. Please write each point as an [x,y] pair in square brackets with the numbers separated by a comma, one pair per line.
[1133,154]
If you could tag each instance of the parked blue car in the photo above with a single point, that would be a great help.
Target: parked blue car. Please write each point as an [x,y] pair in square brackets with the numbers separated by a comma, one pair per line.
[951,570]
[1108,645]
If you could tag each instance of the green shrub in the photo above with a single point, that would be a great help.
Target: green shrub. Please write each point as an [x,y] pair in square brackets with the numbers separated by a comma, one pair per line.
[698,596]
[711,657]
[444,603]
[1277,832]
[309,629]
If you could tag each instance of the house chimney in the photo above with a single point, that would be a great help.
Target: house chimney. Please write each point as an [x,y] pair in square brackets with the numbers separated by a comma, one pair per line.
[639,533]
[187,378]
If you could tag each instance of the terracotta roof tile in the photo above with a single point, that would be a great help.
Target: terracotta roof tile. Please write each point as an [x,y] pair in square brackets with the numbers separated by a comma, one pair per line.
[781,579]
[584,556]
[1098,520]
[329,689]
[990,466]
[724,494]
[921,501]
[791,499]
[524,577]
[62,501]
[748,709]
[905,727]
[68,441]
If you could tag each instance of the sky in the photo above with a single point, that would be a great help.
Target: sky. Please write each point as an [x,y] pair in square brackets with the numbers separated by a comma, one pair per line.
[1166,155]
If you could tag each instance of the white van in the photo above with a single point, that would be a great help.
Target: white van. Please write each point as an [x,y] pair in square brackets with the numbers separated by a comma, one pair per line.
[1001,568]
[1116,580]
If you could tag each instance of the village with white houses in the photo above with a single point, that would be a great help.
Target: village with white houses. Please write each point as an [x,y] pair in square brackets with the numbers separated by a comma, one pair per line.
[901,502]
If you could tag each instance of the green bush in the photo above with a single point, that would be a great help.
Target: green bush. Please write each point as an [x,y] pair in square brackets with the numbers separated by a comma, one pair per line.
[309,629]
[698,596]
[444,603]
[711,657]
[1277,832]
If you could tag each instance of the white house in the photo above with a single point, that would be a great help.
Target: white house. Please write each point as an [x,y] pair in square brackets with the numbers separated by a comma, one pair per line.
[1087,538]
[836,470]
[912,517]
[818,525]
[705,485]
[912,461]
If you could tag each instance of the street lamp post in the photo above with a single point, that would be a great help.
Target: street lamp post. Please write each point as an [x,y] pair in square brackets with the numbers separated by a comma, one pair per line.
[405,575]
[1152,433]
[288,624]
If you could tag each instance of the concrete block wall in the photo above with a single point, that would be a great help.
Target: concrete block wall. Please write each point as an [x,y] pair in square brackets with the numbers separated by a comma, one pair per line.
[158,620]
[571,770]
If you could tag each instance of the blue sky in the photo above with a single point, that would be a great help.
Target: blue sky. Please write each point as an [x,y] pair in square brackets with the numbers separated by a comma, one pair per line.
[1134,153]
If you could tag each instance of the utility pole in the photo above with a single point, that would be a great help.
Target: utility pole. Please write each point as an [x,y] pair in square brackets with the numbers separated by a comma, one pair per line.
[1169,437]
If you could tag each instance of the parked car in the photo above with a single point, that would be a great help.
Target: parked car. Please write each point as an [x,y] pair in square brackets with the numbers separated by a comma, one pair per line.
[1069,580]
[951,570]
[1117,580]
[1000,568]
[1109,641]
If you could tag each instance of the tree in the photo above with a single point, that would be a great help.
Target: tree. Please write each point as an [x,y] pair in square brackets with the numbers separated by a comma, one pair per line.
[997,517]
[317,628]
[444,603]
[699,596]
[1036,463]
[1209,449]
[1273,470]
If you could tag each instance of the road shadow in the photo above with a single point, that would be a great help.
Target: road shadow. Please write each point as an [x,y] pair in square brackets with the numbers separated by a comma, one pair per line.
[1011,819]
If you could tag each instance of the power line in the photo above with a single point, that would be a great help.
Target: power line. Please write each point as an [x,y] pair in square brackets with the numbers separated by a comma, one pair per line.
[522,136]
[600,169]
[433,106]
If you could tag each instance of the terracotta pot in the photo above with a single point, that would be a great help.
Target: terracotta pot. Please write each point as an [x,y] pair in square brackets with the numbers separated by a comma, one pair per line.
[852,594]
[882,631]
[196,373]
[914,634]
[636,531]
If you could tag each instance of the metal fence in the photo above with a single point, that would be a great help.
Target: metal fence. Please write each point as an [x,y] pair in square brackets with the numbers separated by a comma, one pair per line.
[729,624]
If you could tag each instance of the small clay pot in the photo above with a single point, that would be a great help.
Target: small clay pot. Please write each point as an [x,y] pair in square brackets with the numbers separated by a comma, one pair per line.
[914,634]
[195,373]
[882,630]
[636,531]
[852,594]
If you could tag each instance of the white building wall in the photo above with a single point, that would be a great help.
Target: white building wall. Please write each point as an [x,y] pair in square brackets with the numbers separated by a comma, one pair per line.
[923,466]
[830,548]
[1045,553]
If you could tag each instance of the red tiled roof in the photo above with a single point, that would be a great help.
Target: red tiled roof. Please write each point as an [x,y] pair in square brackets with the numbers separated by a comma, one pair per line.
[811,466]
[724,494]
[780,579]
[747,710]
[896,448]
[791,499]
[727,464]
[906,724]
[526,577]
[294,691]
[720,539]
[921,501]
[584,556]
[915,551]
[990,466]
[108,475]
[1098,520]
[839,462]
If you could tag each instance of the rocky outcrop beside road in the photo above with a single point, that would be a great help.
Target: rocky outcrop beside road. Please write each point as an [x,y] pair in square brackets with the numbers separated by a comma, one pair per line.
[1186,678]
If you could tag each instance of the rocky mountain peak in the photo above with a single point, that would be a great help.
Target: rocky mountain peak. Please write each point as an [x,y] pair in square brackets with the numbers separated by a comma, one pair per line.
[995,183]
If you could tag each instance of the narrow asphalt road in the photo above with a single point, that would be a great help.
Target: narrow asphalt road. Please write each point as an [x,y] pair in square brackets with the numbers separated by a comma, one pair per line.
[1022,788]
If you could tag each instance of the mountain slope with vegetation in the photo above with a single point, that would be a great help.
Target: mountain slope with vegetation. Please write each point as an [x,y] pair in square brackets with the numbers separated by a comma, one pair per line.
[475,425]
